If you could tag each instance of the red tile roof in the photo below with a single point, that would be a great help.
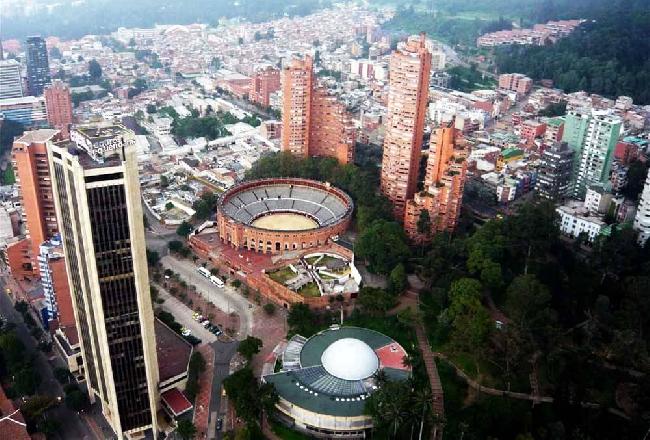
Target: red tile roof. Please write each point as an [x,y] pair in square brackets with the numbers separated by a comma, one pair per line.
[176,401]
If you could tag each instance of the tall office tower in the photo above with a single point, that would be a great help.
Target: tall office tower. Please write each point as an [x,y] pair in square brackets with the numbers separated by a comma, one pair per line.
[642,219]
[97,197]
[410,66]
[29,157]
[38,66]
[263,83]
[444,182]
[59,106]
[592,136]
[314,123]
[11,85]
[554,175]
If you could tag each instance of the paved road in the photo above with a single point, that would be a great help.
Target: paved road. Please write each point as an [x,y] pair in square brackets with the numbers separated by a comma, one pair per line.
[72,426]
[223,353]
[183,315]
[226,299]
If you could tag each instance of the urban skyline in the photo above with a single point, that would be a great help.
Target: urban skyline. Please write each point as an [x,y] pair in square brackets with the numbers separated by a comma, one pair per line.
[326,221]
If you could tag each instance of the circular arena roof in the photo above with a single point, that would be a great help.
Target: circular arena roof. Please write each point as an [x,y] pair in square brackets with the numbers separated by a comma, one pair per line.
[350,359]
[249,201]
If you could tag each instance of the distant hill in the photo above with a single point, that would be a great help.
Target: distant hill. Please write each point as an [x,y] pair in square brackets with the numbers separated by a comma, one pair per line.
[76,19]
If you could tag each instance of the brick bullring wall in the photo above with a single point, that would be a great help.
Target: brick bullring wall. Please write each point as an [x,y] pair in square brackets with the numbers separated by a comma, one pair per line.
[243,236]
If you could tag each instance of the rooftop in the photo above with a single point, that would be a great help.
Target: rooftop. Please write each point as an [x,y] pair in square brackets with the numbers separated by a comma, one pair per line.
[37,136]
[333,371]
[173,352]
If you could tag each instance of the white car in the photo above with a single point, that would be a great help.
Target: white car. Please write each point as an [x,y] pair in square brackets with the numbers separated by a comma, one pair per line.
[186,332]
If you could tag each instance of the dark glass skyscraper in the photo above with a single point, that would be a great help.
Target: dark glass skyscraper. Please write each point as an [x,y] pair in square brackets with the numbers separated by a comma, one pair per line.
[38,66]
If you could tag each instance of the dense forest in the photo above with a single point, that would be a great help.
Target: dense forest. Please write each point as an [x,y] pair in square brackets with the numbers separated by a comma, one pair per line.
[574,319]
[105,16]
[610,56]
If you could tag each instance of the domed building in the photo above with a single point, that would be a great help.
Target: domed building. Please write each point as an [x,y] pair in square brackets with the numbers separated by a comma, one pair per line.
[325,380]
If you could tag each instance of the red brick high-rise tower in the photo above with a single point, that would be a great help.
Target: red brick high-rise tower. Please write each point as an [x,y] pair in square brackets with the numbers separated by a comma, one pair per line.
[263,83]
[443,188]
[410,66]
[29,156]
[59,107]
[314,123]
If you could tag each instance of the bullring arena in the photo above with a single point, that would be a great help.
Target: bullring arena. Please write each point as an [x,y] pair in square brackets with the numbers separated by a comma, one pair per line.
[273,216]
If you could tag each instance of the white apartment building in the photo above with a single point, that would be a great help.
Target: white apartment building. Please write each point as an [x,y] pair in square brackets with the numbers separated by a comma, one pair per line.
[576,219]
[642,219]
[11,85]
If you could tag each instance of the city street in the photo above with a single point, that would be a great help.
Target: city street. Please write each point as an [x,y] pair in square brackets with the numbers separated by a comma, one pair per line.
[226,298]
[72,426]
[223,353]
[183,316]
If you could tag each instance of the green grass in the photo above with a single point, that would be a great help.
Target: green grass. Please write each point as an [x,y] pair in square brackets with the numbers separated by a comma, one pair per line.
[309,290]
[282,275]
[312,260]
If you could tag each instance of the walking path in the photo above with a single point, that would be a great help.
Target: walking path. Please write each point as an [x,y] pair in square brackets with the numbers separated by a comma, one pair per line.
[438,406]
[202,402]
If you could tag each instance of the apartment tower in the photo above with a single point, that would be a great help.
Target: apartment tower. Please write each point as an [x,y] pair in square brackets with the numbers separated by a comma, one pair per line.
[59,106]
[29,157]
[314,123]
[11,84]
[97,196]
[554,176]
[38,65]
[592,135]
[263,83]
[410,66]
[444,181]
[642,219]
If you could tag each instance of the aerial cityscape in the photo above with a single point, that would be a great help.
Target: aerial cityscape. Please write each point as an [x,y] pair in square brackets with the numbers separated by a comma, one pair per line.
[299,219]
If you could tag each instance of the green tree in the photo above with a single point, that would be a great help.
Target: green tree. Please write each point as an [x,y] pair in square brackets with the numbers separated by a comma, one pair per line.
[249,347]
[175,246]
[94,69]
[186,429]
[384,254]
[269,309]
[184,229]
[153,257]
[635,178]
[301,320]
[62,375]
[76,400]
[397,280]
[375,301]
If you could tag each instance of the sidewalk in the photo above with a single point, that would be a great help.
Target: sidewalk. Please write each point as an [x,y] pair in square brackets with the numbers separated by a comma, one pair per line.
[202,402]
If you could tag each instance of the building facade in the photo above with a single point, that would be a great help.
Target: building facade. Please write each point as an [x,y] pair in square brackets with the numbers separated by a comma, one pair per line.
[263,83]
[642,219]
[443,186]
[410,67]
[97,196]
[29,111]
[59,107]
[314,123]
[54,280]
[38,65]
[11,84]
[592,136]
[29,157]
[554,176]
[516,82]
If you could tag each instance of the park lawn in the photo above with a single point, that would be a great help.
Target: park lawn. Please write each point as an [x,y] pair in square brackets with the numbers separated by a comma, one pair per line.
[309,290]
[282,275]
[388,325]
[312,260]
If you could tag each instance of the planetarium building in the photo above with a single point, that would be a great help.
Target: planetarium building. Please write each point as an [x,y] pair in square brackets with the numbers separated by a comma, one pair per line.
[325,380]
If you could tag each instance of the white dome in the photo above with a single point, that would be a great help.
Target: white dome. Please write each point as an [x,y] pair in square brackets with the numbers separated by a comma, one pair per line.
[350,359]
